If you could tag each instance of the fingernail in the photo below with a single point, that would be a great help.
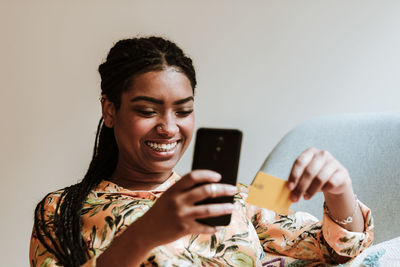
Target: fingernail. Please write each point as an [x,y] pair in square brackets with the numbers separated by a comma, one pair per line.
[228,207]
[218,228]
[216,175]
[294,198]
[232,189]
[290,186]
[306,196]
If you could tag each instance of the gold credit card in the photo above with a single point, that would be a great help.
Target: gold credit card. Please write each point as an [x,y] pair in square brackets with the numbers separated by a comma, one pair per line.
[270,192]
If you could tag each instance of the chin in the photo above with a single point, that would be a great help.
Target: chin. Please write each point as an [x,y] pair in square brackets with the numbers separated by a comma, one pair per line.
[164,166]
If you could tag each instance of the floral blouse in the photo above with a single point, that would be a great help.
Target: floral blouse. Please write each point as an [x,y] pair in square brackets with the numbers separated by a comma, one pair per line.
[255,236]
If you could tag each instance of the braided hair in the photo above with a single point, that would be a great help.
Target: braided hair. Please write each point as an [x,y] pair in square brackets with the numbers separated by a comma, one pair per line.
[127,58]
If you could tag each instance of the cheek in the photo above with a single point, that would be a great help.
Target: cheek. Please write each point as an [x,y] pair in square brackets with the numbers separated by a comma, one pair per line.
[188,128]
[131,132]
[141,128]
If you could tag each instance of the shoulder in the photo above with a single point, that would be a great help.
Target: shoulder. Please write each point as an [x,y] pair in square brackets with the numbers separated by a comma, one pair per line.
[46,208]
[53,197]
[44,219]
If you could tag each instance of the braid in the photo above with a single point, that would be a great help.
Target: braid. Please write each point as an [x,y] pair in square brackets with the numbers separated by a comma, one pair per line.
[61,235]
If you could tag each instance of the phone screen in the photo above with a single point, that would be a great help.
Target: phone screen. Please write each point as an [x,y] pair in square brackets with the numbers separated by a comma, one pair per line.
[218,150]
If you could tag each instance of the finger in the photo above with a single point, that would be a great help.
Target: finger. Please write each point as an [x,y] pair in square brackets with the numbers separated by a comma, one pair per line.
[196,177]
[321,178]
[212,190]
[200,228]
[307,177]
[298,167]
[210,210]
[337,182]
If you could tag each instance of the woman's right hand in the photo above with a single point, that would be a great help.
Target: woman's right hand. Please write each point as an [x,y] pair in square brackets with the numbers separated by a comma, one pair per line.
[174,214]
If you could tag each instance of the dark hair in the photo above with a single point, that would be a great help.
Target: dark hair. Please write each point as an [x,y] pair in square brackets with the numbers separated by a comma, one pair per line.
[126,59]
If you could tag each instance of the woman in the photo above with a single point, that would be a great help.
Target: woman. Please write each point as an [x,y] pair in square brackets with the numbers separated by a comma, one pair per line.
[131,209]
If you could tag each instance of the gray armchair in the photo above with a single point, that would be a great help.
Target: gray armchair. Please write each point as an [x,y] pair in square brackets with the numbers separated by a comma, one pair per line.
[368,145]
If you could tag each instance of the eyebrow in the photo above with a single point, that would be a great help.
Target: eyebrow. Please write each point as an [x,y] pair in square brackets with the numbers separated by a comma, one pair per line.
[160,102]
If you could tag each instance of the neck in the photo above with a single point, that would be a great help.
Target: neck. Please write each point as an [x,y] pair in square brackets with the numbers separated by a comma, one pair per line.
[133,179]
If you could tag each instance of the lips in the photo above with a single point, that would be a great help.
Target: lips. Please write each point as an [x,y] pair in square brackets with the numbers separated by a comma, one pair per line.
[161,147]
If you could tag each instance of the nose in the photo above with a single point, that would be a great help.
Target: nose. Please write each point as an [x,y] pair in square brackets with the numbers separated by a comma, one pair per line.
[167,126]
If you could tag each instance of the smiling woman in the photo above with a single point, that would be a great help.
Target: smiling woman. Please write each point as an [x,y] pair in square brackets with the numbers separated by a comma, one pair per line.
[152,128]
[132,209]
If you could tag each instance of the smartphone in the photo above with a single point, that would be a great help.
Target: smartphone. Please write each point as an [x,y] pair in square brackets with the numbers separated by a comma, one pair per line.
[218,150]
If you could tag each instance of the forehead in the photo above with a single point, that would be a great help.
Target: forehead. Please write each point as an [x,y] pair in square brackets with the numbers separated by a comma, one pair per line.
[168,83]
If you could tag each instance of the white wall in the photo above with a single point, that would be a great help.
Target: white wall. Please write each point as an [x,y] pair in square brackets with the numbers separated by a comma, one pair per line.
[263,67]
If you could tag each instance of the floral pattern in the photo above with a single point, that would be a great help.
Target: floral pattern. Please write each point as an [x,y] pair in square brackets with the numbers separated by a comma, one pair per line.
[255,236]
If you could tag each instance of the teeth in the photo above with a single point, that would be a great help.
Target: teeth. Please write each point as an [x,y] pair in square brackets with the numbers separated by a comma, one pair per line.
[161,147]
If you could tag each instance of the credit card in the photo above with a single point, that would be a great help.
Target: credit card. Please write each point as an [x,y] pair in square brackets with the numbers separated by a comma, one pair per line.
[270,192]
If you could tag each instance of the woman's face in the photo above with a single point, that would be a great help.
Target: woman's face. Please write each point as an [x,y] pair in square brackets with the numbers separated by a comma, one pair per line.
[155,122]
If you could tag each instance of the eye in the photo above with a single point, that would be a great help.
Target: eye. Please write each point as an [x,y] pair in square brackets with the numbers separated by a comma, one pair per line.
[184,113]
[146,113]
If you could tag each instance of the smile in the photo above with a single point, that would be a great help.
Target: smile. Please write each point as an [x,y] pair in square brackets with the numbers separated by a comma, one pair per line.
[161,147]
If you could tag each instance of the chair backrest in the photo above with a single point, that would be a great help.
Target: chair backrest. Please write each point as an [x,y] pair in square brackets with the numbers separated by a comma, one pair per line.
[368,145]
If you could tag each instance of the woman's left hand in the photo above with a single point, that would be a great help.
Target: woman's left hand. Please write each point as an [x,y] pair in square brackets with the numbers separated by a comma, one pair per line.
[317,170]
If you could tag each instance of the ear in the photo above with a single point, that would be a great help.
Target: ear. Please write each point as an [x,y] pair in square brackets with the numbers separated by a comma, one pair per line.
[109,112]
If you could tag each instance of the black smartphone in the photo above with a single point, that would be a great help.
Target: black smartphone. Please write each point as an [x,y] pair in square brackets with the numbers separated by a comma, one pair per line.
[218,150]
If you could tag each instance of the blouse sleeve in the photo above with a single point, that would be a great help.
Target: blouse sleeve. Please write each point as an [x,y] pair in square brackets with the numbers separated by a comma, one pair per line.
[39,256]
[302,236]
